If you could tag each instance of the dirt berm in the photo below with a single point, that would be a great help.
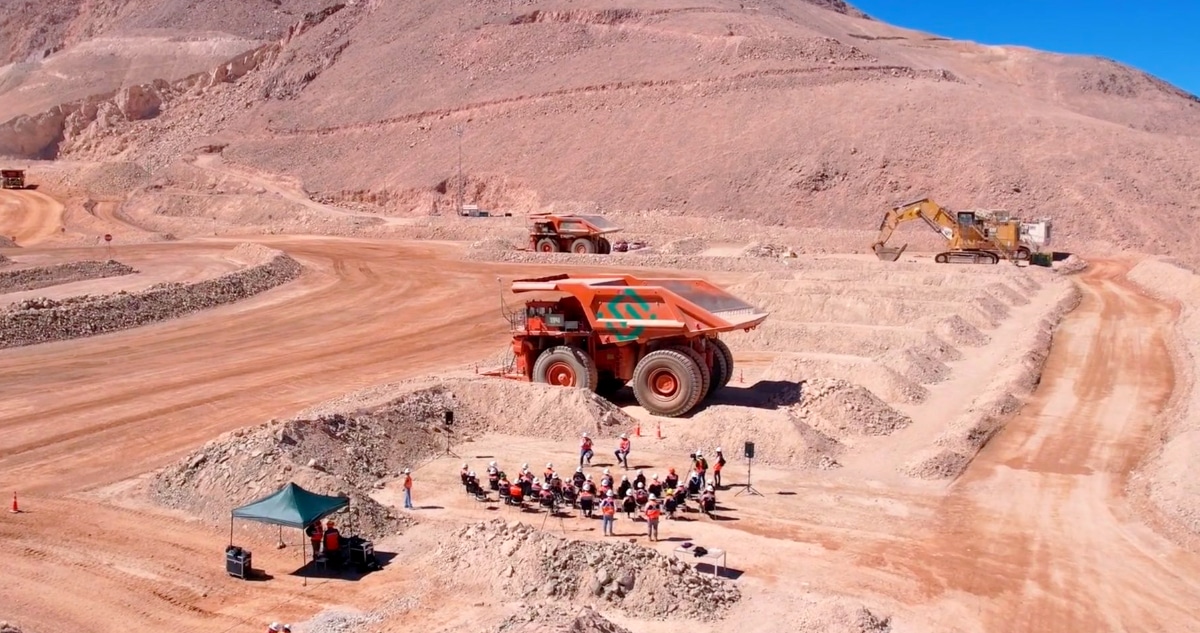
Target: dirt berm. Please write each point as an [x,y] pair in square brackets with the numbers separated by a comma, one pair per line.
[1168,476]
[585,621]
[987,414]
[41,320]
[45,276]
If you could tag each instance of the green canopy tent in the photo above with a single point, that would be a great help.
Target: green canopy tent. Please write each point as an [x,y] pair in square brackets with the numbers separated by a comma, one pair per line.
[290,506]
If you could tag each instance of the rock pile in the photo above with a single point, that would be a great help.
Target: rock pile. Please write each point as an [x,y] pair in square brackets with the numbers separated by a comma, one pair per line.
[843,408]
[768,250]
[955,330]
[493,245]
[4,261]
[6,627]
[45,276]
[6,242]
[793,441]
[40,320]
[541,566]
[585,621]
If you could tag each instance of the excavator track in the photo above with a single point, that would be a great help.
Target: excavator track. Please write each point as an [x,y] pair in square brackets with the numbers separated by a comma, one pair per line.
[967,257]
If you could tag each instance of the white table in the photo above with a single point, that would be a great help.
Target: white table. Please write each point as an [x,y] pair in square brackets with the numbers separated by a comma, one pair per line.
[715,556]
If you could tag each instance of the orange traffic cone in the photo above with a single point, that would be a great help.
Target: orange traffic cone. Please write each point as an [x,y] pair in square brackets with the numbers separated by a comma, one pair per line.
[637,430]
[15,508]
[658,431]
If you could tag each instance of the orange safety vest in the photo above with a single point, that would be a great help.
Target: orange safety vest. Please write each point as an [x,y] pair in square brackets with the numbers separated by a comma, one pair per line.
[408,482]
[548,474]
[652,513]
[331,540]
[586,444]
[318,535]
[608,508]
[625,446]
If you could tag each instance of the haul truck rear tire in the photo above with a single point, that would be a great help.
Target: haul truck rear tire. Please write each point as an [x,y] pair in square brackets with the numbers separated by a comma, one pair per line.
[605,247]
[705,372]
[583,246]
[564,366]
[668,383]
[547,245]
[724,350]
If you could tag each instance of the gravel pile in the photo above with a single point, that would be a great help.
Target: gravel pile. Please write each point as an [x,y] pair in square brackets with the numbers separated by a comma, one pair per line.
[792,440]
[493,245]
[881,380]
[844,408]
[919,364]
[955,330]
[40,320]
[7,627]
[552,621]
[639,581]
[1005,292]
[45,276]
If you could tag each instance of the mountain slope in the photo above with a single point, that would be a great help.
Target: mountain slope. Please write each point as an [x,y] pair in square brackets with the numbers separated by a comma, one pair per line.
[782,111]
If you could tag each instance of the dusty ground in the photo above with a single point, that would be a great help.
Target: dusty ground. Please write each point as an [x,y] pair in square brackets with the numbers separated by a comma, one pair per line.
[1038,527]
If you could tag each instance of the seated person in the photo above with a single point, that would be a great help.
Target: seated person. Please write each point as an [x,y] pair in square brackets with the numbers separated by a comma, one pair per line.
[547,499]
[516,495]
[473,486]
[693,485]
[587,503]
[672,480]
[641,496]
[680,496]
[624,487]
[589,485]
[670,505]
[494,480]
[333,544]
[655,487]
[569,495]
[708,501]
[578,478]
[629,506]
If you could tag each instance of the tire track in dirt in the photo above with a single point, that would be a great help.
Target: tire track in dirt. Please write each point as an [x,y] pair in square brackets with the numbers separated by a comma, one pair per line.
[29,217]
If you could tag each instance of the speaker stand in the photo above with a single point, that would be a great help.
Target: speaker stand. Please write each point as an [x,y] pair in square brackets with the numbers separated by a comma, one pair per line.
[449,452]
[748,489]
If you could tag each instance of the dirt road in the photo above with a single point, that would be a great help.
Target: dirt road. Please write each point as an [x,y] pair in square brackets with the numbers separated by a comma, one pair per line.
[1037,536]
[29,217]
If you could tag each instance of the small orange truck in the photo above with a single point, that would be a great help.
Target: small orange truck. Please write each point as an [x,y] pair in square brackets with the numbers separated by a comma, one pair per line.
[579,234]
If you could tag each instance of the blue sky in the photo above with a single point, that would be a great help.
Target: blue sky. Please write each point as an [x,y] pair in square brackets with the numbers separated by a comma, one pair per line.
[1160,37]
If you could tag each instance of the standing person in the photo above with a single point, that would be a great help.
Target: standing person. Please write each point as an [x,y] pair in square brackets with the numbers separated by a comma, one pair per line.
[652,515]
[622,451]
[701,466]
[608,513]
[408,490]
[317,535]
[333,543]
[720,463]
[585,450]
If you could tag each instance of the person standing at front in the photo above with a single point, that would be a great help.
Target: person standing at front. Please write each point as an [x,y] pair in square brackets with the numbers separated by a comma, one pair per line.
[608,513]
[653,513]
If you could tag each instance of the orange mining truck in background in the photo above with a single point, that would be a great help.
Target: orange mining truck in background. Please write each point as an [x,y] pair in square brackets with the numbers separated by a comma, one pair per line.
[660,336]
[579,234]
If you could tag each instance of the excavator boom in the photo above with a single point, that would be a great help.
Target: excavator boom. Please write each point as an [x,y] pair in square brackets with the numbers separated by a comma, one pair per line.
[968,238]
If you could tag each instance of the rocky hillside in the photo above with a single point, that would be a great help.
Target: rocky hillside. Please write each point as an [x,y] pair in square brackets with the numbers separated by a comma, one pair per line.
[789,112]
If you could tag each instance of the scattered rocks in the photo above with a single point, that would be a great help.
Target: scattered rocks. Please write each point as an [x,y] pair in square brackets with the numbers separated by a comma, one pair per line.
[40,320]
[637,580]
[585,621]
[7,627]
[45,276]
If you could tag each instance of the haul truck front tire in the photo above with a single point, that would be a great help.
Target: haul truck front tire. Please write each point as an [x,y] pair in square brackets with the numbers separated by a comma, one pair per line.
[668,383]
[564,366]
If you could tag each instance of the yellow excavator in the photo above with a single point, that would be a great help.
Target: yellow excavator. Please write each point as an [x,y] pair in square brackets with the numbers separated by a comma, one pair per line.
[970,239]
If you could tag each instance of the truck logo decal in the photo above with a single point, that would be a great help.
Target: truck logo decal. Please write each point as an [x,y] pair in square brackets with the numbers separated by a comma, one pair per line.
[635,308]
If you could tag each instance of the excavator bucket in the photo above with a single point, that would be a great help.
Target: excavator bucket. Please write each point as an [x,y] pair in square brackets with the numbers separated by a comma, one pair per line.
[889,253]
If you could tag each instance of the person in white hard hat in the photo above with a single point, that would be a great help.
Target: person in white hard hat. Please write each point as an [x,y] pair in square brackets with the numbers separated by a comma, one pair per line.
[701,466]
[408,489]
[274,628]
[608,513]
[622,451]
[548,474]
[717,466]
[652,513]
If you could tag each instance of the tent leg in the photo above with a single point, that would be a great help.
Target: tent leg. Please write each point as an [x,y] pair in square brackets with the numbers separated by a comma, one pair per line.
[281,544]
[231,529]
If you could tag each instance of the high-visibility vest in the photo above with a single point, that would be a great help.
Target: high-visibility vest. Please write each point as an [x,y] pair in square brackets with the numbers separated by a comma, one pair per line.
[586,444]
[331,540]
[408,482]
[608,507]
[624,446]
[652,513]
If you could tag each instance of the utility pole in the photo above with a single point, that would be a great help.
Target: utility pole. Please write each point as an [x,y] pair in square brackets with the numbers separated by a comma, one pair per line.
[462,184]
